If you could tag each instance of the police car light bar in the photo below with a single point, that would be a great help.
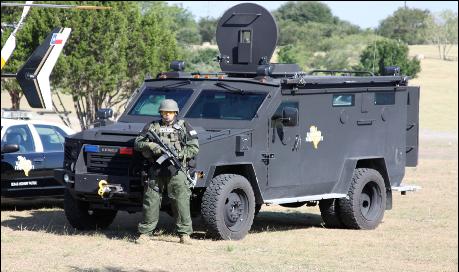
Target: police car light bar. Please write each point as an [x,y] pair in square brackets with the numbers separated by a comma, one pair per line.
[23,115]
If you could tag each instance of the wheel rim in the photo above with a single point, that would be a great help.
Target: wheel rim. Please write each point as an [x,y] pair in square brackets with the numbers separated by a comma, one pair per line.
[370,201]
[236,210]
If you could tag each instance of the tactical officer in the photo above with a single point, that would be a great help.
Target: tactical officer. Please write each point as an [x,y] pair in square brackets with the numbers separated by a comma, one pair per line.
[179,136]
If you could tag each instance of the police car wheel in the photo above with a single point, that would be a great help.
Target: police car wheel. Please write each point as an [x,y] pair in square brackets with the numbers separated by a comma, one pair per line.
[329,210]
[81,218]
[228,207]
[366,202]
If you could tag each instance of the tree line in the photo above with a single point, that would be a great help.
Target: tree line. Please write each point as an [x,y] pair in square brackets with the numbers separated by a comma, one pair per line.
[311,36]
[109,52]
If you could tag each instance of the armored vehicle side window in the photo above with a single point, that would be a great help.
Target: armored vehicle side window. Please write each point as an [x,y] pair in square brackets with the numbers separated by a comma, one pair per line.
[148,103]
[277,117]
[212,104]
[385,98]
[343,100]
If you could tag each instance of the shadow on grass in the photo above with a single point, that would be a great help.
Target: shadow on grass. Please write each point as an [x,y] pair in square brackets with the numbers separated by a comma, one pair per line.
[111,269]
[30,204]
[124,227]
[284,221]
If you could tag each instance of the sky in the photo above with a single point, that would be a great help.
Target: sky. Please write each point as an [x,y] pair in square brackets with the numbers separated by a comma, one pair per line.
[366,14]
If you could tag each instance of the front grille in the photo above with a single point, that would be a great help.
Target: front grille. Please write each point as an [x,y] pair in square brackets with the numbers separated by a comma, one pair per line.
[110,164]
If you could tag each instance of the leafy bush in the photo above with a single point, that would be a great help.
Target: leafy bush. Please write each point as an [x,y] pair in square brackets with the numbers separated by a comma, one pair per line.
[389,53]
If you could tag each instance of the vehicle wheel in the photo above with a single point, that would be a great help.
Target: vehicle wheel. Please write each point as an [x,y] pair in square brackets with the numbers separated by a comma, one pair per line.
[228,207]
[329,209]
[364,207]
[81,218]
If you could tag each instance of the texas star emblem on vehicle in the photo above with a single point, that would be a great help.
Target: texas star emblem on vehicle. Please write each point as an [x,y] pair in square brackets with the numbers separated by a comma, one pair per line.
[315,136]
[24,164]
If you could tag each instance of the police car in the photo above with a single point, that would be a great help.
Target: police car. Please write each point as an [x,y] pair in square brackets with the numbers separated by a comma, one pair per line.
[30,150]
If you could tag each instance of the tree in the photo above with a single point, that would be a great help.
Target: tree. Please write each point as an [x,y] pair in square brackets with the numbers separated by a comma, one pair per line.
[303,12]
[182,21]
[107,54]
[9,15]
[332,53]
[389,53]
[442,31]
[208,29]
[184,25]
[201,60]
[407,25]
[308,22]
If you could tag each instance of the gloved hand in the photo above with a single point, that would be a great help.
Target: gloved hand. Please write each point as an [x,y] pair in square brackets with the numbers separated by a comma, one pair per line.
[154,147]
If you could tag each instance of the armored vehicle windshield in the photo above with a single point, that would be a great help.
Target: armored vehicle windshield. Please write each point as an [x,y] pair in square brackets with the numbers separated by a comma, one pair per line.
[148,103]
[226,105]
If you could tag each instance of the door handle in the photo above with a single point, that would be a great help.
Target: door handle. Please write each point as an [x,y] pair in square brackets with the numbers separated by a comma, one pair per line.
[297,143]
[38,160]
[365,122]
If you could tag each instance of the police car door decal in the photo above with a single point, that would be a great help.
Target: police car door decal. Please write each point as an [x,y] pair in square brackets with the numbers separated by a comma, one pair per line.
[24,164]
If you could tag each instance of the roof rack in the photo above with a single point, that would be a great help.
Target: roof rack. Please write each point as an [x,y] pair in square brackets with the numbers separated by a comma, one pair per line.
[343,72]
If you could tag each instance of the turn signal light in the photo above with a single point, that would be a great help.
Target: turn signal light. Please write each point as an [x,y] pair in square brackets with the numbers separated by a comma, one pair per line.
[126,151]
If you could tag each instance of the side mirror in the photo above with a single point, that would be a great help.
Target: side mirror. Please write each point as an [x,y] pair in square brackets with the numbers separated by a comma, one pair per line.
[290,117]
[10,148]
[103,114]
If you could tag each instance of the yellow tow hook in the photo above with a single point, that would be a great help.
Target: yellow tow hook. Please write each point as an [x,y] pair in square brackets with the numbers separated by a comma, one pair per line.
[103,188]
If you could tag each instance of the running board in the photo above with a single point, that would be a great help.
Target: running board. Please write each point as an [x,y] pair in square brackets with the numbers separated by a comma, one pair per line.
[403,188]
[303,198]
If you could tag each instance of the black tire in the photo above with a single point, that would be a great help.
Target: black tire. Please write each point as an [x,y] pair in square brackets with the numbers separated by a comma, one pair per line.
[228,207]
[364,207]
[81,218]
[329,209]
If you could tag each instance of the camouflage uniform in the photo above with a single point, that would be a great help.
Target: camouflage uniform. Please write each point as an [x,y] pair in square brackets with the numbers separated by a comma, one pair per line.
[183,138]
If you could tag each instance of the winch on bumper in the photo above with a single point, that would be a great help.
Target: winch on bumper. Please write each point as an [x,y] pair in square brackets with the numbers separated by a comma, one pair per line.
[97,186]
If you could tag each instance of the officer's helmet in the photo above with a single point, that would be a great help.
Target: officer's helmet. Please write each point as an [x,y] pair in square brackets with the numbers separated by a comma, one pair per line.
[168,105]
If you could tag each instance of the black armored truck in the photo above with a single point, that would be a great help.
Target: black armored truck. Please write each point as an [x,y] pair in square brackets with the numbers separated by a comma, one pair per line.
[268,134]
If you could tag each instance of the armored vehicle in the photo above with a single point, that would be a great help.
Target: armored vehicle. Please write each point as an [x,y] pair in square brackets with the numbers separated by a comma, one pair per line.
[268,134]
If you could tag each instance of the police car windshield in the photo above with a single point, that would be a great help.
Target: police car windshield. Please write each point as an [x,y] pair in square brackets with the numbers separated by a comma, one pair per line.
[214,104]
[148,103]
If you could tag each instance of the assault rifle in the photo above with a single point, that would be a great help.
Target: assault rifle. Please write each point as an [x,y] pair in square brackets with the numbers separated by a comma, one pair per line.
[171,155]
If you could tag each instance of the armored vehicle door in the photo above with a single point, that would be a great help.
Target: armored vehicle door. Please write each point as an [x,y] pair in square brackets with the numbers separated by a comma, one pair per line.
[284,139]
[412,126]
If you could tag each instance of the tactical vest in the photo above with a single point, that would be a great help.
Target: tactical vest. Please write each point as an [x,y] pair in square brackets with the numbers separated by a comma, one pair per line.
[174,134]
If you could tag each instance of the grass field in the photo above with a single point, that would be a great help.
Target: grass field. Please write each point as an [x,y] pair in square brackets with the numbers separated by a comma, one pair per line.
[438,82]
[420,233]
